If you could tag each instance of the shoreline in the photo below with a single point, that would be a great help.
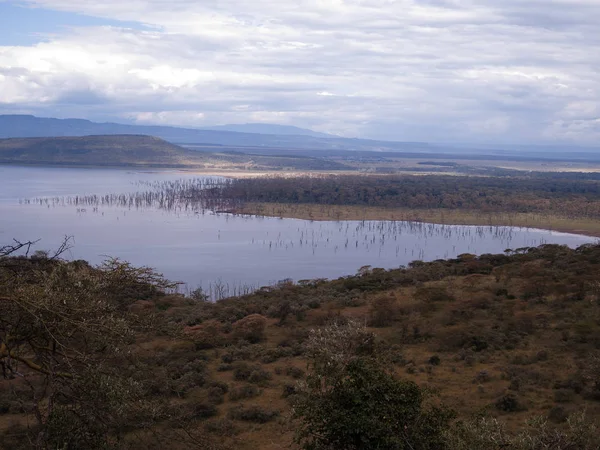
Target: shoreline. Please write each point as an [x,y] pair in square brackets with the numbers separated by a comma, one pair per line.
[318,212]
[183,169]
[582,226]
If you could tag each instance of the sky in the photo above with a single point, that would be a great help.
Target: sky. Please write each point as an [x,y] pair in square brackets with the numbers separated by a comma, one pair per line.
[485,71]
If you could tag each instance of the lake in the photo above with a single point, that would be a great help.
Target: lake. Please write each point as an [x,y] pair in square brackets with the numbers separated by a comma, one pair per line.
[217,250]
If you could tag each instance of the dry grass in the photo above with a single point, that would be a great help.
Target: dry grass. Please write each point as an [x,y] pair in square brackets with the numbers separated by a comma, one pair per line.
[584,226]
[518,325]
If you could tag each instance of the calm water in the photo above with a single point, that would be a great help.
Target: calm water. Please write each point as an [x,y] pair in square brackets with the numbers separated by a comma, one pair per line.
[204,249]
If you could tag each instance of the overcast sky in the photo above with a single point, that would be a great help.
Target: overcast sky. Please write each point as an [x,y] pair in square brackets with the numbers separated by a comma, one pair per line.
[427,70]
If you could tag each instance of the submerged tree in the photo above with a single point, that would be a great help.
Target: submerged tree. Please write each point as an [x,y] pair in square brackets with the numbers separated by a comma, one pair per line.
[351,400]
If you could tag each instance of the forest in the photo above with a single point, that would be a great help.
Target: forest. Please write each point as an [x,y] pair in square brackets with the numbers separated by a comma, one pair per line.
[477,352]
[551,194]
[523,194]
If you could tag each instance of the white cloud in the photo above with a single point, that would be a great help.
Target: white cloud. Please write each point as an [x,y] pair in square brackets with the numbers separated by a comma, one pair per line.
[468,70]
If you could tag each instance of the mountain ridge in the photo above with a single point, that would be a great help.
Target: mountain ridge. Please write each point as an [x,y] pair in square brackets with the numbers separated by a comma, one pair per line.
[267,128]
[25,126]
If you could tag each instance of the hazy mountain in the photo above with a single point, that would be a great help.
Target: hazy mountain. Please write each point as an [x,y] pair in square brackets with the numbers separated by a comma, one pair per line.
[253,135]
[264,128]
[31,126]
[146,151]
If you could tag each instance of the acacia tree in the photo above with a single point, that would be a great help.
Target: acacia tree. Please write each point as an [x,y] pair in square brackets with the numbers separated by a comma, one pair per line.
[65,349]
[351,400]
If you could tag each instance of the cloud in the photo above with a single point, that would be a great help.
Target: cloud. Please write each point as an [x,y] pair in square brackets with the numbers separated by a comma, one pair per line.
[441,70]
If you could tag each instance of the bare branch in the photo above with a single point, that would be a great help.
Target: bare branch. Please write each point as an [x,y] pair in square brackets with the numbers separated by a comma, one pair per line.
[65,246]
[8,250]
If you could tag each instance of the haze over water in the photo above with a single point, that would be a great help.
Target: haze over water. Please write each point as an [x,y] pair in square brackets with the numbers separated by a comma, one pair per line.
[204,248]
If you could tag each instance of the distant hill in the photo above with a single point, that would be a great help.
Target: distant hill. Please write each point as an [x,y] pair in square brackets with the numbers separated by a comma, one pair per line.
[96,150]
[264,128]
[140,150]
[30,126]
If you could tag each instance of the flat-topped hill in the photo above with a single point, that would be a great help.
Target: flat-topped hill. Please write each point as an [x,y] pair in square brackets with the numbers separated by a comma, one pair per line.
[141,150]
[96,150]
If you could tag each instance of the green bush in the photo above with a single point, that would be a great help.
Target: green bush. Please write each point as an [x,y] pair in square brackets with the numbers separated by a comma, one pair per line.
[369,409]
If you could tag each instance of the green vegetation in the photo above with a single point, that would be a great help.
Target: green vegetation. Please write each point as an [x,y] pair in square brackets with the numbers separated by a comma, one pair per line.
[526,195]
[488,352]
[352,400]
[556,202]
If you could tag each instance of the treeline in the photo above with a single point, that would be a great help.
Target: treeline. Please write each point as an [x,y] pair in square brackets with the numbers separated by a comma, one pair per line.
[527,194]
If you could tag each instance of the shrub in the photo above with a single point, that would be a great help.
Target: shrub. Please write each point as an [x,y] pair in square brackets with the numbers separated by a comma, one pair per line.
[383,311]
[558,414]
[273,355]
[221,427]
[215,395]
[191,375]
[367,408]
[221,385]
[241,371]
[206,335]
[243,392]
[251,328]
[243,351]
[564,395]
[482,376]
[259,375]
[203,410]
[255,414]
[254,374]
[509,403]
[288,389]
[433,294]
[294,372]
[434,360]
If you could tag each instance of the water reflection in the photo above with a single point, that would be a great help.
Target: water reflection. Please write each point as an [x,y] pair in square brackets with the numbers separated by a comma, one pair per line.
[171,225]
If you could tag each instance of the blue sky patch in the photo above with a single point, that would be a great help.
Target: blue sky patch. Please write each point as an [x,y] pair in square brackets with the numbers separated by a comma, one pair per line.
[24,25]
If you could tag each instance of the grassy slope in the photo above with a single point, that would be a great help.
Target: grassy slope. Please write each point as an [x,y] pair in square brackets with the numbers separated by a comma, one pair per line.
[525,324]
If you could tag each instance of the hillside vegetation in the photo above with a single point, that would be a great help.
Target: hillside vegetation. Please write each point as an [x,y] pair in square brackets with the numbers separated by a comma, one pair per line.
[144,151]
[472,348]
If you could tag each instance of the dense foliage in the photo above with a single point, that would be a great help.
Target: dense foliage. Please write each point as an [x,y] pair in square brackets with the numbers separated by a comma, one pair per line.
[352,401]
[567,196]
